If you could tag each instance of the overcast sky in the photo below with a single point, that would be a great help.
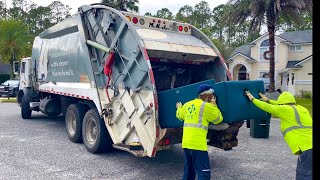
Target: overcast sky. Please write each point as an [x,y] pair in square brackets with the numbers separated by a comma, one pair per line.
[144,5]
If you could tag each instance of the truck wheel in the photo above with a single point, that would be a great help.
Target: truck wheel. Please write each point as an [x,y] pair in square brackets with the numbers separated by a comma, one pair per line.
[25,110]
[95,135]
[73,119]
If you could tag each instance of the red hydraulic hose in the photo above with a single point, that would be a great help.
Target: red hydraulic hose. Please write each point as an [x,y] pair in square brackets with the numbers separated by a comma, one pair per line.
[108,69]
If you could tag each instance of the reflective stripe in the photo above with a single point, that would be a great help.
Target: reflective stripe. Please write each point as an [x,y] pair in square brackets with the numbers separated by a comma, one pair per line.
[206,170]
[217,119]
[195,125]
[296,115]
[295,127]
[199,125]
[298,122]
[201,113]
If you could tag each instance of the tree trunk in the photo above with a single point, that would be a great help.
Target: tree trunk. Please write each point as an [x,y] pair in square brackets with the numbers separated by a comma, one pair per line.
[271,20]
[12,75]
[121,5]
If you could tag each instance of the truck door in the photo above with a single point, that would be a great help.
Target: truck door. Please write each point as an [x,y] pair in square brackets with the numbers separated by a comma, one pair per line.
[25,73]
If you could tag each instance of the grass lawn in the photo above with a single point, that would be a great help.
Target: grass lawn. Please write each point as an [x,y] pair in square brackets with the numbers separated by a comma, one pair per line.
[5,99]
[305,102]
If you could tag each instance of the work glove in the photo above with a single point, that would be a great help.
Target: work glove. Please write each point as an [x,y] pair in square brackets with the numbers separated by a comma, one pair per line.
[249,95]
[213,100]
[263,97]
[178,105]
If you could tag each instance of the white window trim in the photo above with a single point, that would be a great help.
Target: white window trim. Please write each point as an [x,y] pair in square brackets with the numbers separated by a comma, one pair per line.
[263,70]
[295,47]
[275,53]
[260,72]
[303,82]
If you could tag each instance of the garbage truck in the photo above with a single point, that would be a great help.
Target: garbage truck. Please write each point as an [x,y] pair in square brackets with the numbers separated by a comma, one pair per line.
[116,76]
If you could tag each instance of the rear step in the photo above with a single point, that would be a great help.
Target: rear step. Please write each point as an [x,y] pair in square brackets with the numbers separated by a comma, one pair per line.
[124,147]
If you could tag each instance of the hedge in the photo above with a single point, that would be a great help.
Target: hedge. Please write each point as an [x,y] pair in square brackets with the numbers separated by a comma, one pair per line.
[4,77]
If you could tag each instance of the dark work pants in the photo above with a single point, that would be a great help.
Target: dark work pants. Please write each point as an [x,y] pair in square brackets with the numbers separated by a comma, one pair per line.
[196,162]
[304,166]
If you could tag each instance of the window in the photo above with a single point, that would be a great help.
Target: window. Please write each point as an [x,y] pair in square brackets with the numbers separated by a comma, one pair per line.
[292,78]
[242,69]
[292,48]
[295,48]
[264,51]
[263,74]
[23,67]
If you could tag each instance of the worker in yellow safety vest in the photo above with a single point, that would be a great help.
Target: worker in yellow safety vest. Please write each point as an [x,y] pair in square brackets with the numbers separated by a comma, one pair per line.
[296,127]
[196,115]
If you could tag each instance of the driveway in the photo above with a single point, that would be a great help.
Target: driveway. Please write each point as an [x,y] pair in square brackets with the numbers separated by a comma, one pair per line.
[40,149]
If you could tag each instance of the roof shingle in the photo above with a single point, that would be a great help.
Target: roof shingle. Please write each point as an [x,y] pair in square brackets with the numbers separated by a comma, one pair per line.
[298,37]
[291,64]
[244,49]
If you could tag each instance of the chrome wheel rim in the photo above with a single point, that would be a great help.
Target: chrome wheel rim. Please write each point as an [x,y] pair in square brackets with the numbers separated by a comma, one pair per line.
[71,118]
[91,131]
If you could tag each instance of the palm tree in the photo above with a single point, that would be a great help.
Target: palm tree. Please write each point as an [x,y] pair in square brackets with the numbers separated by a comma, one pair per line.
[267,11]
[123,5]
[14,40]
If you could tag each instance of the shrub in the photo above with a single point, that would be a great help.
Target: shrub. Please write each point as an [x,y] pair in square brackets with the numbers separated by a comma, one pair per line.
[305,94]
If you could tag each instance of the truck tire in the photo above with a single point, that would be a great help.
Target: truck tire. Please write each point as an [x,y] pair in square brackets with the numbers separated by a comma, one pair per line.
[95,135]
[25,110]
[73,119]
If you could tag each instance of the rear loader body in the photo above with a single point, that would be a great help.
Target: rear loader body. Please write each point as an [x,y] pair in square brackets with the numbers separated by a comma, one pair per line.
[110,73]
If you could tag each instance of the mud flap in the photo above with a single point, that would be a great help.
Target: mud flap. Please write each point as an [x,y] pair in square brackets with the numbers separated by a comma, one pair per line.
[225,139]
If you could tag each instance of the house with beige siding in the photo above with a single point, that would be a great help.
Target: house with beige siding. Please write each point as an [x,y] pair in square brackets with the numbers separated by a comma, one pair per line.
[293,61]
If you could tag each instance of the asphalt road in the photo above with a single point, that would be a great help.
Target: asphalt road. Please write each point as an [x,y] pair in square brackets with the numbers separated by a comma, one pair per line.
[40,149]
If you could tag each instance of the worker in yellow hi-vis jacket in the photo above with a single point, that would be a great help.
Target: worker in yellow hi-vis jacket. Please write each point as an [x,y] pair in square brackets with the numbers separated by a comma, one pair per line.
[296,127]
[196,115]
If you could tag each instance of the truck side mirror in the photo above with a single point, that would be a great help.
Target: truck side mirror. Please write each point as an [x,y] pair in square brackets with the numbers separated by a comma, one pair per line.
[15,67]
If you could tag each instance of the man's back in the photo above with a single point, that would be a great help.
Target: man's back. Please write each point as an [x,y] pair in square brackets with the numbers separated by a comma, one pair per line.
[196,115]
[296,124]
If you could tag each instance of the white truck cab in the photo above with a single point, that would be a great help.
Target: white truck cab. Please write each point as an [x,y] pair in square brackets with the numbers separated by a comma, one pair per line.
[25,73]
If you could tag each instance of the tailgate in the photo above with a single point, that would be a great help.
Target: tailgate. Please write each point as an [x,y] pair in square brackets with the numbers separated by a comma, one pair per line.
[171,45]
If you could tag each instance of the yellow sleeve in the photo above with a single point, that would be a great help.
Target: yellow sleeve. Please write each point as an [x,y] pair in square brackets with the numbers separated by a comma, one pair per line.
[273,102]
[212,113]
[270,108]
[181,112]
